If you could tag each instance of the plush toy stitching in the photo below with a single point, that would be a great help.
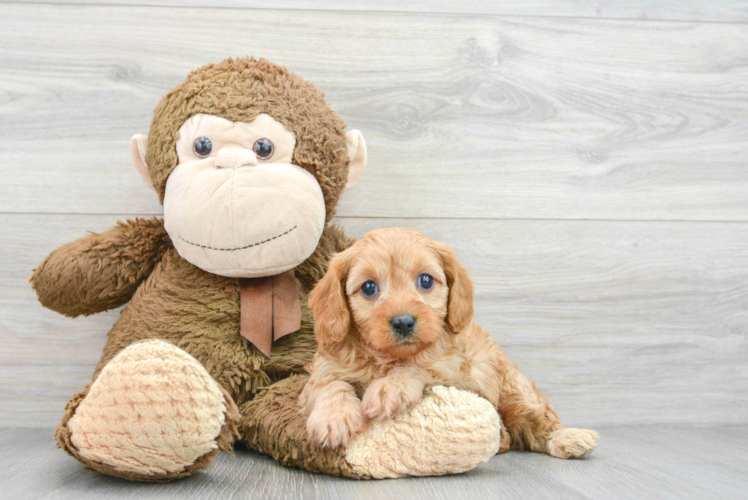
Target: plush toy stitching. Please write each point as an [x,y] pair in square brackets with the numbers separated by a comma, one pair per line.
[240,248]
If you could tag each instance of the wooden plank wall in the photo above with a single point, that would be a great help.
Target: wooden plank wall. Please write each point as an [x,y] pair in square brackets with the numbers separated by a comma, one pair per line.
[587,160]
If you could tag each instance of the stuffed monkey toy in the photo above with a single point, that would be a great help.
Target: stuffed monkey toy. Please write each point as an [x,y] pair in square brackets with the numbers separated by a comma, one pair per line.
[249,162]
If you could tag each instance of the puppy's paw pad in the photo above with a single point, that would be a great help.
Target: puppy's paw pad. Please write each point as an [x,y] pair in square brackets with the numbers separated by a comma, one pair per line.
[384,400]
[572,443]
[337,427]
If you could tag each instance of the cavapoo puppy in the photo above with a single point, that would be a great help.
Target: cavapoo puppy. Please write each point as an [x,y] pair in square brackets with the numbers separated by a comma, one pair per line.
[393,316]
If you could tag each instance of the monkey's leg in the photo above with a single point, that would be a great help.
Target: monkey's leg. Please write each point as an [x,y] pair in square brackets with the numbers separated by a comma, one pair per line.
[448,431]
[153,414]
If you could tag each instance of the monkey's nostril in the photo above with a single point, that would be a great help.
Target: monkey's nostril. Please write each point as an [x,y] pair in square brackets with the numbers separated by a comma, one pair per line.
[403,324]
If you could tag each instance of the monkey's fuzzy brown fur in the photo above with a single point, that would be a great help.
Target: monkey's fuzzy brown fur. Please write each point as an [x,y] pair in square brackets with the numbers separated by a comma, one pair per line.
[239,90]
[198,312]
[101,271]
[172,300]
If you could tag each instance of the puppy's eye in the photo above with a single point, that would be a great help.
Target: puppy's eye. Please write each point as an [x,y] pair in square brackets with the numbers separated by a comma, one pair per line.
[202,147]
[369,289]
[425,281]
[263,148]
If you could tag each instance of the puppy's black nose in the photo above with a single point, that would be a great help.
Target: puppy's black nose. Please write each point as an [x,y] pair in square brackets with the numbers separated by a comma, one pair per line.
[403,324]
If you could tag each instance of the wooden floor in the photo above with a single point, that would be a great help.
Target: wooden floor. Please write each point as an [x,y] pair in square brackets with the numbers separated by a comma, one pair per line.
[647,462]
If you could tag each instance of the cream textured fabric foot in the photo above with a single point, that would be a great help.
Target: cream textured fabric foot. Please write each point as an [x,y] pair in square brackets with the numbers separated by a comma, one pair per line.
[448,432]
[154,409]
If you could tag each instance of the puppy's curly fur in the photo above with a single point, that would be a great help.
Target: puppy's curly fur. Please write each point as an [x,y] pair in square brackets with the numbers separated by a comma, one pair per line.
[366,370]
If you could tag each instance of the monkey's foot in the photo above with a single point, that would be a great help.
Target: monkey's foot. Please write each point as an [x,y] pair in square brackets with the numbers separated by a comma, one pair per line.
[449,431]
[153,414]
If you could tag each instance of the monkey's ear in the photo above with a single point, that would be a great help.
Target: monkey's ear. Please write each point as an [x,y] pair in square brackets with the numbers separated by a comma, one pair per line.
[356,155]
[138,148]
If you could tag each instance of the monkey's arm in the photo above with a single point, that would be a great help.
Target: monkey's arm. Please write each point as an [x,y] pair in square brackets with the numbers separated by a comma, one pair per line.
[102,270]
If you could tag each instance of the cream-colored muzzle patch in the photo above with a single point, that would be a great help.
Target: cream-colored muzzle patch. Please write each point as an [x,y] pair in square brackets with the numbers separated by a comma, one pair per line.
[247,222]
[236,206]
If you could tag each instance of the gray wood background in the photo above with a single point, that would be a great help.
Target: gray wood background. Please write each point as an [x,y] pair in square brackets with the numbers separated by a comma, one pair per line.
[588,160]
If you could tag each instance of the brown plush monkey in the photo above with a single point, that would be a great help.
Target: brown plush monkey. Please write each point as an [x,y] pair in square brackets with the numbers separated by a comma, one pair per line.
[249,162]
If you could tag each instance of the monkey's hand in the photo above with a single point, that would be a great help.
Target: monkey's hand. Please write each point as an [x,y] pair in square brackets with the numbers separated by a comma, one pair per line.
[100,271]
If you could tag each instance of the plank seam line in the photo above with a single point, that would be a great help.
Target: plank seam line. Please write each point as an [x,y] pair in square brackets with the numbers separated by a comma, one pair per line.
[405,217]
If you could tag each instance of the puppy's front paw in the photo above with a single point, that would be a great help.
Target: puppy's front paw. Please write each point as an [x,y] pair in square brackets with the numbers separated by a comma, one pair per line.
[571,443]
[334,427]
[387,398]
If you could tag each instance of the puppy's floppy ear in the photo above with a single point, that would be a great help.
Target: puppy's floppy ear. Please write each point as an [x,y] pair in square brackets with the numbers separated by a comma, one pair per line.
[328,302]
[460,302]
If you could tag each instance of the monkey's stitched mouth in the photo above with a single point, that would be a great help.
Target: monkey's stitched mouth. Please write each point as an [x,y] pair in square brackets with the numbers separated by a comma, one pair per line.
[239,248]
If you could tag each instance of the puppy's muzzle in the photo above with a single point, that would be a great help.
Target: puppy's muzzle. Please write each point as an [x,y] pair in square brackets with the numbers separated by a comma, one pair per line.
[403,325]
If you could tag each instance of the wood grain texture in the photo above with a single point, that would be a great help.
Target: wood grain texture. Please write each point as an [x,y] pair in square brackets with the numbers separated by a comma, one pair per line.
[619,323]
[730,11]
[635,463]
[465,116]
[591,172]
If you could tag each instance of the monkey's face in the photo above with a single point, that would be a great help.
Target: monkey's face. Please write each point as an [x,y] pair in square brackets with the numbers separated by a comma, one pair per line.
[235,205]
[247,188]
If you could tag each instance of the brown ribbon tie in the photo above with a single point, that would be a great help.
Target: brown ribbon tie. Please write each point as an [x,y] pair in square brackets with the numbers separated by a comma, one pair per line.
[270,309]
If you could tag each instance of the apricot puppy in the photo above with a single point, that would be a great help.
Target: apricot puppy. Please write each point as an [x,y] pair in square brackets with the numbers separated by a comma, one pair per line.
[394,315]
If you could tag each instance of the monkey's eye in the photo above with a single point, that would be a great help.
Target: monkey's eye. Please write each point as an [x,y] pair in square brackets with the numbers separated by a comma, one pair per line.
[202,147]
[369,289]
[263,148]
[425,281]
